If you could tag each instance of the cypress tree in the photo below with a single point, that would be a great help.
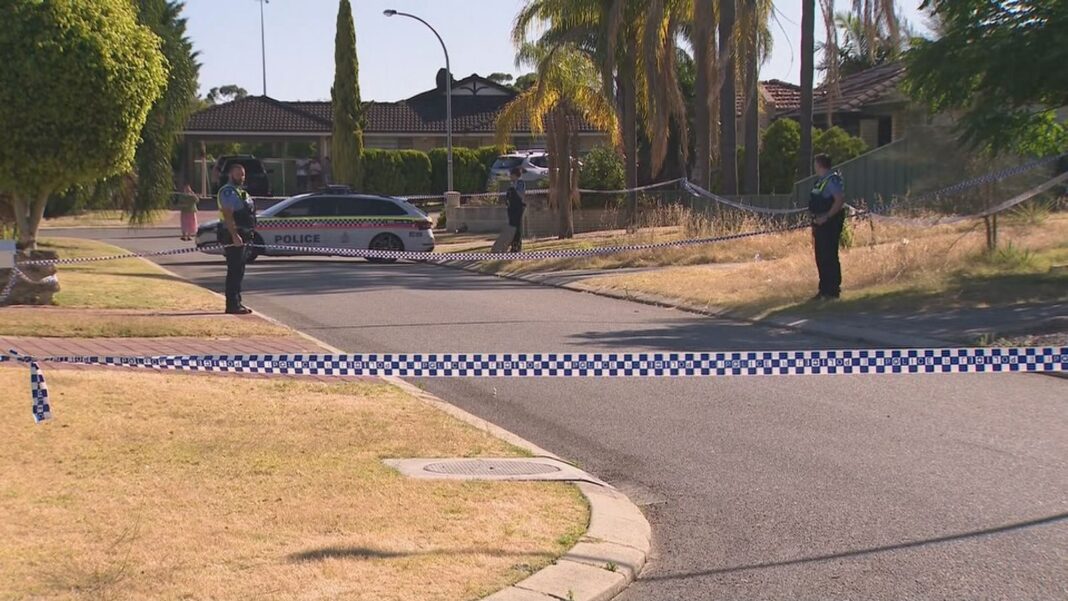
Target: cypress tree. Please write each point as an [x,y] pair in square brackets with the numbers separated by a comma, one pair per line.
[347,142]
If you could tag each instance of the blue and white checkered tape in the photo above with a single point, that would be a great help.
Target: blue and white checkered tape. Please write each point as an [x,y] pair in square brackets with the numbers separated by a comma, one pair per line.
[586,365]
[38,388]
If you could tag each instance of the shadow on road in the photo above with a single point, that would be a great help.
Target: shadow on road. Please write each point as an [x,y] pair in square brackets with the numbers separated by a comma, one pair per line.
[703,334]
[870,551]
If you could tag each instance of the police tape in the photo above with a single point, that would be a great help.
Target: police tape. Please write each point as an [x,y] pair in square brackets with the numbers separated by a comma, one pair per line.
[885,206]
[975,360]
[575,253]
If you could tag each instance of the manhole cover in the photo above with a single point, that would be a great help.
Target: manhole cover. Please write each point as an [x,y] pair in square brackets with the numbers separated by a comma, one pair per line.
[490,468]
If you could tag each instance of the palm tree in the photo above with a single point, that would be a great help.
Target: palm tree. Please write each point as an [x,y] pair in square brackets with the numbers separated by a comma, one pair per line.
[728,120]
[754,49]
[632,44]
[567,88]
[858,51]
[703,41]
[606,31]
[808,51]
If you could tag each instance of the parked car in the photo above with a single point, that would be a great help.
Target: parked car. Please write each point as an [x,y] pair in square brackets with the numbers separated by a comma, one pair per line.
[256,181]
[534,163]
[335,217]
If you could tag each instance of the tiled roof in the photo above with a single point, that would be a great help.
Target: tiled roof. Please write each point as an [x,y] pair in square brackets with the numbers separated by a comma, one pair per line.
[786,96]
[256,114]
[859,89]
[424,113]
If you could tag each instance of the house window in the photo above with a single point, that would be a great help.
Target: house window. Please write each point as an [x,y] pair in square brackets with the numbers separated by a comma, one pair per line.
[886,130]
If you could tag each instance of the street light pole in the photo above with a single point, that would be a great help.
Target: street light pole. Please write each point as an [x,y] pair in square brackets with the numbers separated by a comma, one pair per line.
[448,90]
[263,47]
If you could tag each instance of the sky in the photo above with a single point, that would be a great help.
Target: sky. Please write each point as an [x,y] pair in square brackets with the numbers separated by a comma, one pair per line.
[398,56]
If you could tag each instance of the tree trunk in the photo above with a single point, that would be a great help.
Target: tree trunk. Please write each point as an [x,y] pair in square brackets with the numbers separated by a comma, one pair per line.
[628,90]
[703,25]
[752,113]
[808,51]
[563,181]
[728,111]
[27,236]
[554,160]
[37,211]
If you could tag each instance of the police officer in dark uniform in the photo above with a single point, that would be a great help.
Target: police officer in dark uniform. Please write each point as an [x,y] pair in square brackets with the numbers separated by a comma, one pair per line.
[235,232]
[827,206]
[517,193]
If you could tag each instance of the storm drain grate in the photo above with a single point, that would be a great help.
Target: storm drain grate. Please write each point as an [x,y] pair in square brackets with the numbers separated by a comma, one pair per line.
[490,468]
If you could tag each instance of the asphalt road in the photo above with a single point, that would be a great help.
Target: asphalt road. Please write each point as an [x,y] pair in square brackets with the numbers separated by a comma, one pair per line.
[780,488]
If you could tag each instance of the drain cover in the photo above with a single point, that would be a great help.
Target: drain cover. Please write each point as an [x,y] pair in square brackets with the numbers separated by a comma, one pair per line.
[490,468]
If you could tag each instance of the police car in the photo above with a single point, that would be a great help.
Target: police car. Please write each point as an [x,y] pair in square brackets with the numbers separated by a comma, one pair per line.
[335,217]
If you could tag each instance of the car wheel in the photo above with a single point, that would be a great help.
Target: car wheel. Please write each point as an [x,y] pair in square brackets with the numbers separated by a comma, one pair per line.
[385,242]
[254,253]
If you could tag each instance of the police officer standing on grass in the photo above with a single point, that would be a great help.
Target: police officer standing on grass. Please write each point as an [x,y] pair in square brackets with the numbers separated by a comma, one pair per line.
[235,233]
[827,206]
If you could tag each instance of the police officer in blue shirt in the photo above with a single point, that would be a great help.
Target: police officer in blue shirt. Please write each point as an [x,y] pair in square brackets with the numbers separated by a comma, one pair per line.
[237,224]
[827,206]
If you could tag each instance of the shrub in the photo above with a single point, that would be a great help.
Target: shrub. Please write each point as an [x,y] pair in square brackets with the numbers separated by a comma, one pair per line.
[836,143]
[468,173]
[487,155]
[396,172]
[602,169]
[778,157]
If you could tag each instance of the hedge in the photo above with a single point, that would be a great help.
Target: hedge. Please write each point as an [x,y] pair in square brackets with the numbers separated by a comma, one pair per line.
[396,172]
[469,174]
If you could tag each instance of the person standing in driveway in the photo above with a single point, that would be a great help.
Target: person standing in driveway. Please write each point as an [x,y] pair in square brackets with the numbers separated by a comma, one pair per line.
[187,207]
[236,231]
[827,205]
[517,193]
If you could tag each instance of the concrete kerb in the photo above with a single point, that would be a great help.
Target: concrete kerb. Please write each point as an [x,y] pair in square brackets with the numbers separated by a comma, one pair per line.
[608,557]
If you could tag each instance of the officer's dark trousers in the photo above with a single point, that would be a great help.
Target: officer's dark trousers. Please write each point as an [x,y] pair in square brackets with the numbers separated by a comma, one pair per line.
[825,240]
[517,241]
[235,272]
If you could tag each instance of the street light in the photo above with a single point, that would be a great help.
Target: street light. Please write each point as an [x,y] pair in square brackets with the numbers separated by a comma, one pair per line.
[448,89]
[263,46]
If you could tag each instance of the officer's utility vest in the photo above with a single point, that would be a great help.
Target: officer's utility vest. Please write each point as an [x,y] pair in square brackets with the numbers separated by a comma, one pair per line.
[244,218]
[818,202]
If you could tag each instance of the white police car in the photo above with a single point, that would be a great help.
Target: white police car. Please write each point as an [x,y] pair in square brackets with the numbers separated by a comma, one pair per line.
[335,217]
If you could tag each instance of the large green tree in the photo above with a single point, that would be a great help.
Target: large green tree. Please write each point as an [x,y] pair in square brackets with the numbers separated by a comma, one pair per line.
[1001,65]
[76,84]
[169,113]
[347,142]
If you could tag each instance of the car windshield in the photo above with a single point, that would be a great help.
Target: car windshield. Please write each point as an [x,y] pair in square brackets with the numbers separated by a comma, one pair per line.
[507,162]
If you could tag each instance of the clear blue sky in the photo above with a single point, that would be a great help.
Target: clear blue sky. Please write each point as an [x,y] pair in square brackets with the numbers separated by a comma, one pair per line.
[398,56]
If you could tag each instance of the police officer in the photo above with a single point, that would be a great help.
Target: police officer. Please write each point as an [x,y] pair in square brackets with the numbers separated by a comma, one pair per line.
[827,206]
[235,232]
[517,193]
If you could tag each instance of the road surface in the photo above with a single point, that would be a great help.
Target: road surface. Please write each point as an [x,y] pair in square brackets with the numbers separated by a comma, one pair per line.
[776,488]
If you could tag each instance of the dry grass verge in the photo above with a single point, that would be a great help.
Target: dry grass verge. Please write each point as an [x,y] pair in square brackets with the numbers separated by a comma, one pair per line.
[166,486]
[55,322]
[126,298]
[937,265]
